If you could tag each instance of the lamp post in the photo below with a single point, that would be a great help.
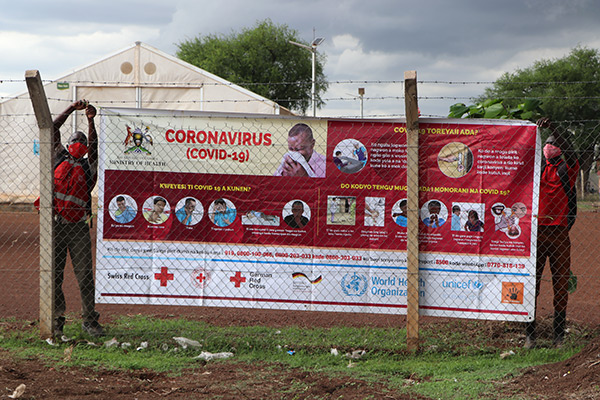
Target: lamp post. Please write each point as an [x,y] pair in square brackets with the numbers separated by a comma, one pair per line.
[313,49]
[361,93]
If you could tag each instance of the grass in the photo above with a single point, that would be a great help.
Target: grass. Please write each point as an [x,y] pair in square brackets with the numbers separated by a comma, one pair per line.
[590,202]
[457,360]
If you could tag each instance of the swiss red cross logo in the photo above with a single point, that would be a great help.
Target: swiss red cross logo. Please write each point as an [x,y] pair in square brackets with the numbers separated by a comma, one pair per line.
[164,276]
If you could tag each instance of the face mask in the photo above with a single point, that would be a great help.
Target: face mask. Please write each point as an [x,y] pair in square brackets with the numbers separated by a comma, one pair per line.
[551,151]
[78,150]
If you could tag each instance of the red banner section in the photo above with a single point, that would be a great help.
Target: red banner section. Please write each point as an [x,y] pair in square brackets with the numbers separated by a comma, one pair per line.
[476,194]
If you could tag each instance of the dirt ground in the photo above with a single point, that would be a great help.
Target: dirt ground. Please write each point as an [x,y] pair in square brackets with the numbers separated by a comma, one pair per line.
[576,378]
[211,381]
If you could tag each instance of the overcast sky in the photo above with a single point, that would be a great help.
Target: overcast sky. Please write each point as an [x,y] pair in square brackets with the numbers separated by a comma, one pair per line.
[374,41]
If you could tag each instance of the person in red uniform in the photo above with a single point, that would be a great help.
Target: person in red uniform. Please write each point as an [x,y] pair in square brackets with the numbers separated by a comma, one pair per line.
[556,215]
[71,229]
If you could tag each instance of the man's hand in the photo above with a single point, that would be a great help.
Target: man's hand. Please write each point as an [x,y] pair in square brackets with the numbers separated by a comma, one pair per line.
[433,220]
[292,168]
[80,105]
[90,111]
[543,122]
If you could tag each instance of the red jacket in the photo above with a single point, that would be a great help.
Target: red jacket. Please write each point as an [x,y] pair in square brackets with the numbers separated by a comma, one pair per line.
[558,201]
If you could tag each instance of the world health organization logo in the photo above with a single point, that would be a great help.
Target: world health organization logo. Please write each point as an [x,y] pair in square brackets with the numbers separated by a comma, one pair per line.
[354,284]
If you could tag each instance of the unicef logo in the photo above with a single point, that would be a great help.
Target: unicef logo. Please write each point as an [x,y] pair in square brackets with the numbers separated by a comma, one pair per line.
[354,284]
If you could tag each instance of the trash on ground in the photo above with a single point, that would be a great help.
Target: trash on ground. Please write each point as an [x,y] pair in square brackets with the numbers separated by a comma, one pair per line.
[65,339]
[68,353]
[18,391]
[111,343]
[143,345]
[185,342]
[507,354]
[356,354]
[205,355]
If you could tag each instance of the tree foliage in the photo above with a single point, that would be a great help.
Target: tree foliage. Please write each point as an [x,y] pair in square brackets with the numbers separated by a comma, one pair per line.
[568,88]
[262,60]
[496,108]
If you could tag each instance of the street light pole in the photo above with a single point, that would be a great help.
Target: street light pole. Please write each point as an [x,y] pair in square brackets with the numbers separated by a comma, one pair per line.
[313,49]
[361,93]
[313,90]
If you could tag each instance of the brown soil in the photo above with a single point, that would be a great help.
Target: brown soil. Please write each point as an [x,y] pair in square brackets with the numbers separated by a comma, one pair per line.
[213,380]
[576,378]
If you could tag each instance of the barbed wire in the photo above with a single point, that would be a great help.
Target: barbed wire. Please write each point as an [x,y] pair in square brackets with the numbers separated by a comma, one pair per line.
[349,98]
[515,82]
[197,84]
[246,84]
[370,98]
[347,81]
[510,97]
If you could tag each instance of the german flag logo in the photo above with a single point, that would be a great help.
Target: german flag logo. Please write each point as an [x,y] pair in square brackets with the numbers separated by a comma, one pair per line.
[302,275]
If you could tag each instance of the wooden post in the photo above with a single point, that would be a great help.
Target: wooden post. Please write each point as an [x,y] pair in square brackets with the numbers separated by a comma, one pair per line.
[412,194]
[44,121]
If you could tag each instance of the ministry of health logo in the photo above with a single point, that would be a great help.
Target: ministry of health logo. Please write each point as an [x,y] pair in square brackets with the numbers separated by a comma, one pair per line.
[354,284]
[137,141]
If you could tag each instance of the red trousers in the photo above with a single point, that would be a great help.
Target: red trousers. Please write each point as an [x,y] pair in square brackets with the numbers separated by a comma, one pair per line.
[555,246]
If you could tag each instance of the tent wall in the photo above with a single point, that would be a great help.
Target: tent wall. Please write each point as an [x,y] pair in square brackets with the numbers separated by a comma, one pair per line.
[137,77]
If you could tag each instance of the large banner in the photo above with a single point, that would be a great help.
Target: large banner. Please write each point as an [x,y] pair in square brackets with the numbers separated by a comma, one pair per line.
[310,214]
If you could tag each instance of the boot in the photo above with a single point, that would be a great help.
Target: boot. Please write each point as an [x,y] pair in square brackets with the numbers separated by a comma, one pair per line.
[560,320]
[530,335]
[58,326]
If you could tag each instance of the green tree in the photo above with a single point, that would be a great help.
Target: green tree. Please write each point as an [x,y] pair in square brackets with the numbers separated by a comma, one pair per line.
[262,60]
[568,88]
[496,108]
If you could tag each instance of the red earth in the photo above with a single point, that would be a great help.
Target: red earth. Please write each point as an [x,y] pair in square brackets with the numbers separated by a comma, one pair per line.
[575,378]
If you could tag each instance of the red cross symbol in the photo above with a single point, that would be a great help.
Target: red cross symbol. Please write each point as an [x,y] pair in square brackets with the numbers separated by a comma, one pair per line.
[237,279]
[164,276]
[201,277]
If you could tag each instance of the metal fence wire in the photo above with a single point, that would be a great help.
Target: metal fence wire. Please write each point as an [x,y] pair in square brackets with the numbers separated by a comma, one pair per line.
[195,209]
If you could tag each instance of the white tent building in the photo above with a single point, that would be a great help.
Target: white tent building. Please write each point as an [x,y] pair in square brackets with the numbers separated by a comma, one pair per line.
[139,76]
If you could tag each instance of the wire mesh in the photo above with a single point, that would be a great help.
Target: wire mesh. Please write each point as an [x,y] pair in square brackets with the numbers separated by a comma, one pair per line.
[196,195]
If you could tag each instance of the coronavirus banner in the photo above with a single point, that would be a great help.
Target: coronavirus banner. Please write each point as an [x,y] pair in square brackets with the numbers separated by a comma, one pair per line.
[310,214]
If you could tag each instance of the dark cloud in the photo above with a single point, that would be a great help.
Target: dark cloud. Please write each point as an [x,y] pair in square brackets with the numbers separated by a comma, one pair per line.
[443,40]
[40,15]
[444,27]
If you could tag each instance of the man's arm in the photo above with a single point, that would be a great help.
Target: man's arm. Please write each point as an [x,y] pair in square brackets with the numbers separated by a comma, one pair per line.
[60,120]
[90,113]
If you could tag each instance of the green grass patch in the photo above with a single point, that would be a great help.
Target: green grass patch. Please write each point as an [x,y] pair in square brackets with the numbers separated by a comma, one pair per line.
[589,203]
[457,360]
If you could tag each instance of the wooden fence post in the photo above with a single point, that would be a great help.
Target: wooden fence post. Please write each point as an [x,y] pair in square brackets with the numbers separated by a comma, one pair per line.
[44,121]
[412,194]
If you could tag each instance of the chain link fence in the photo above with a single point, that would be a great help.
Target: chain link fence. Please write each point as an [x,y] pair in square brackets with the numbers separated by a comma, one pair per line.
[199,210]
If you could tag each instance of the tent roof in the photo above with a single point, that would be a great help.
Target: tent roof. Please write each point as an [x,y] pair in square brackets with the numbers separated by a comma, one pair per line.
[141,65]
